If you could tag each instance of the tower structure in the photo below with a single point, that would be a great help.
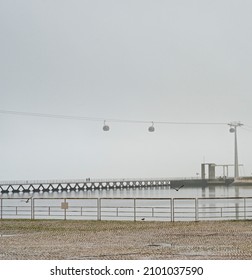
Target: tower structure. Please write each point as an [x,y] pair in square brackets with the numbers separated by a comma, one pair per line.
[233,129]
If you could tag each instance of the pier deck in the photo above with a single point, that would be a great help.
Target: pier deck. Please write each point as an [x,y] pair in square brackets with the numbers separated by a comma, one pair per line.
[87,184]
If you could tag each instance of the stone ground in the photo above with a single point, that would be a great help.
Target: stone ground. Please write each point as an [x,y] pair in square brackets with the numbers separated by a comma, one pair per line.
[113,240]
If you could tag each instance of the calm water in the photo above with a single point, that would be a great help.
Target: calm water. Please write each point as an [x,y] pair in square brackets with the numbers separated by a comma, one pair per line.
[20,207]
[151,192]
[117,208]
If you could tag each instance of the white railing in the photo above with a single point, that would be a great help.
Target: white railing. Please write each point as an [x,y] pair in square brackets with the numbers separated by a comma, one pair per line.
[148,209]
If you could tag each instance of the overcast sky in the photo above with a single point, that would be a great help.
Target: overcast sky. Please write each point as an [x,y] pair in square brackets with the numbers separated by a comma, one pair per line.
[159,60]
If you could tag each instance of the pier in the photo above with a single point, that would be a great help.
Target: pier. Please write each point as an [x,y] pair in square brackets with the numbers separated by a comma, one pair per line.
[78,185]
[41,186]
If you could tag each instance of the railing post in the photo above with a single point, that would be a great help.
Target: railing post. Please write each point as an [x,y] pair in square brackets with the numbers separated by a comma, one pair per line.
[196,210]
[31,208]
[98,209]
[65,210]
[245,214]
[172,209]
[1,208]
[134,209]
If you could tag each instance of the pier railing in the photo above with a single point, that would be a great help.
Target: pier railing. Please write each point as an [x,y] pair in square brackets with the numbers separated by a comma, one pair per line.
[91,180]
[135,209]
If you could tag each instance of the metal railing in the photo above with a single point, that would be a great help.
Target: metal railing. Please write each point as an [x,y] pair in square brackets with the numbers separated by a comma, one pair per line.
[149,209]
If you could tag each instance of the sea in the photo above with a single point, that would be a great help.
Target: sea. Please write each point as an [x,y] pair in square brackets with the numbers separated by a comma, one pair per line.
[219,201]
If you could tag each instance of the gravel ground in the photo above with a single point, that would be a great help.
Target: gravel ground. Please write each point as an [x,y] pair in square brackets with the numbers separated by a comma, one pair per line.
[99,240]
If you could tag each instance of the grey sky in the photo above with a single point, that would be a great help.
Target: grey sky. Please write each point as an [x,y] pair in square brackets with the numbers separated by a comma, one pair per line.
[142,60]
